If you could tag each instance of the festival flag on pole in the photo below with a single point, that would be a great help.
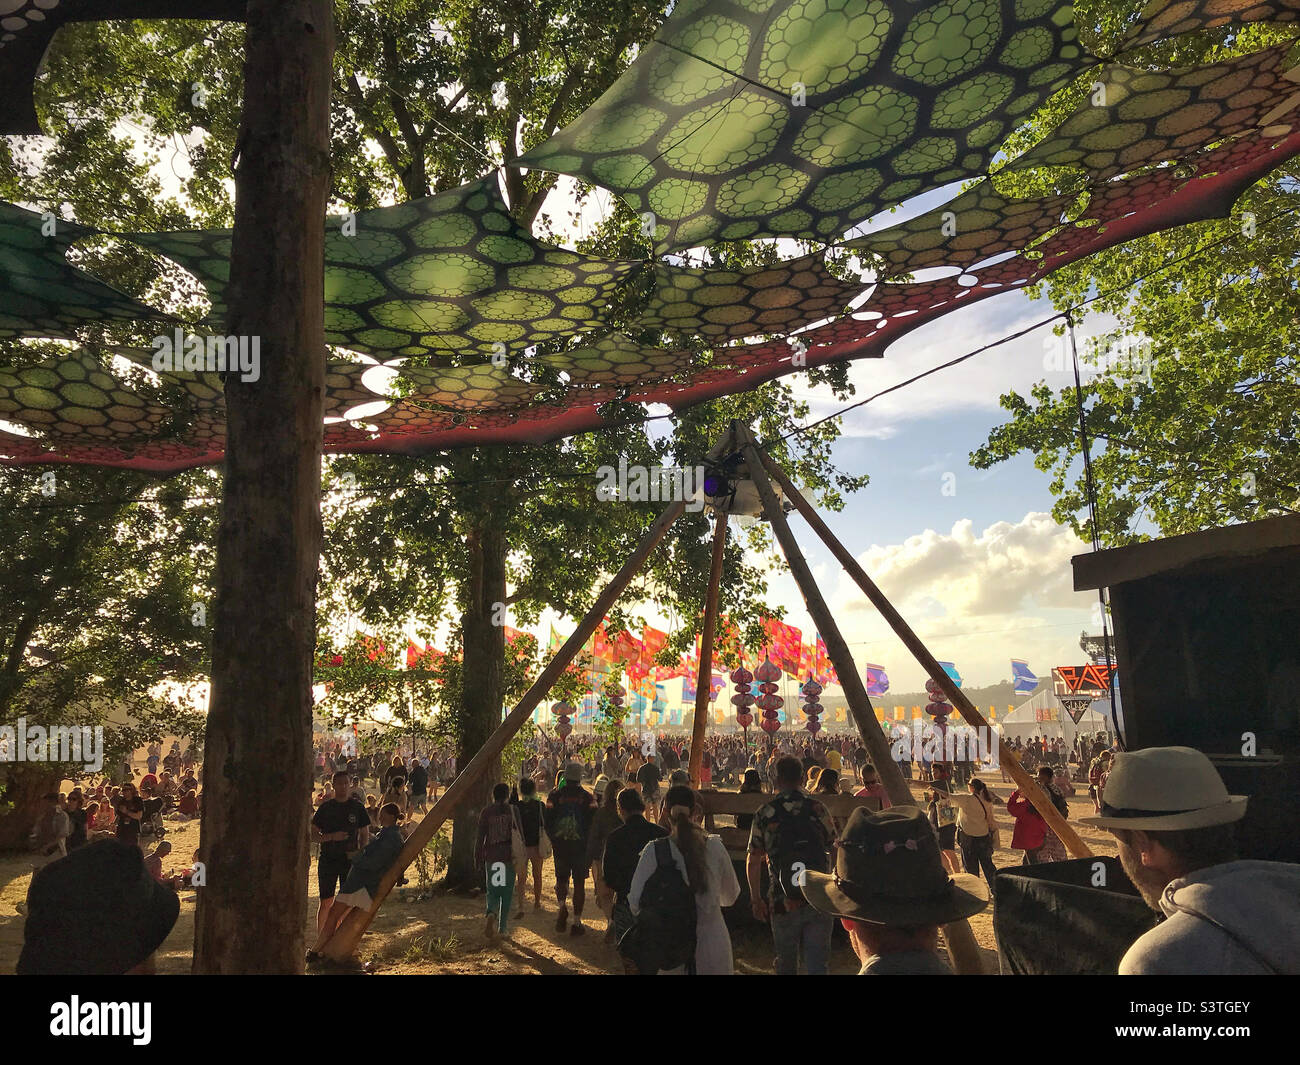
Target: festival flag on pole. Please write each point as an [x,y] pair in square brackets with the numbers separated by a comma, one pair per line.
[715,686]
[951,670]
[652,642]
[690,687]
[1023,680]
[877,680]
[554,643]
[807,661]
[825,670]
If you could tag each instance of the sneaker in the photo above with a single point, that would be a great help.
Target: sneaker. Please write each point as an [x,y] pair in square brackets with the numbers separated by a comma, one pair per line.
[537,905]
[519,914]
[562,919]
[490,928]
[578,929]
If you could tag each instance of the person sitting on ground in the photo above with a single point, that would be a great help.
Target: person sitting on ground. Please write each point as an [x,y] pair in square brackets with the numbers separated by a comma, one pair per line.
[1175,823]
[153,862]
[891,892]
[188,808]
[49,837]
[367,869]
[96,912]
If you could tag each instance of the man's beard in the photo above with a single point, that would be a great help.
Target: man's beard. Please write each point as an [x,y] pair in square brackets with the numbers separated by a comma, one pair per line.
[1150,884]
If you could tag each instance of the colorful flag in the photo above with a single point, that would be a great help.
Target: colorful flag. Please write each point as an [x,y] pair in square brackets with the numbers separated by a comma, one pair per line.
[877,680]
[951,670]
[690,687]
[1023,680]
[825,670]
[554,643]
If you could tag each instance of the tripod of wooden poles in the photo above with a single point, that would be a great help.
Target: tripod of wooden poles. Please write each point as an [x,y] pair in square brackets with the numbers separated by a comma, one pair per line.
[762,470]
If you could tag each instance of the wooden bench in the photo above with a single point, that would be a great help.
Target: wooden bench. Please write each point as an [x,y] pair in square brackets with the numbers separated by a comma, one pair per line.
[730,803]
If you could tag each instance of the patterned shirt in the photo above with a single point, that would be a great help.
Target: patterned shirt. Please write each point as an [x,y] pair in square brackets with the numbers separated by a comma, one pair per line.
[788,804]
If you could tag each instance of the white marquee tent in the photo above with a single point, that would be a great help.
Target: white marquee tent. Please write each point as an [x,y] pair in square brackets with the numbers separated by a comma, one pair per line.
[1022,723]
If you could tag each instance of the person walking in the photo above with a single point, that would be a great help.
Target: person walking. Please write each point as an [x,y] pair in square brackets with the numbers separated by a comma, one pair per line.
[706,867]
[793,833]
[975,829]
[622,853]
[570,811]
[499,838]
[532,822]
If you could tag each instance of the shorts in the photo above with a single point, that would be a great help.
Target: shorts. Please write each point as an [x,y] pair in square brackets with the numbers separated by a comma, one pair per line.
[331,871]
[359,899]
[571,863]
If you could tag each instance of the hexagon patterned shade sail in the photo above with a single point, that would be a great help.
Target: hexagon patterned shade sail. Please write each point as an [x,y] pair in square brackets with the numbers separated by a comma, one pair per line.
[43,295]
[1162,19]
[710,132]
[449,273]
[804,117]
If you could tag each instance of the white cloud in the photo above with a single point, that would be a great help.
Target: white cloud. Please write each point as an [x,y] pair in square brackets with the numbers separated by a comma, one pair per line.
[1004,570]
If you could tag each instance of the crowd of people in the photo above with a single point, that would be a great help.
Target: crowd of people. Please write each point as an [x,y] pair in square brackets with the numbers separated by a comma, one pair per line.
[133,812]
[625,818]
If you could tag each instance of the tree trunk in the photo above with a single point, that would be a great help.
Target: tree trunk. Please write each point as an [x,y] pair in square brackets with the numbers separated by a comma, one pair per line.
[484,639]
[22,791]
[258,752]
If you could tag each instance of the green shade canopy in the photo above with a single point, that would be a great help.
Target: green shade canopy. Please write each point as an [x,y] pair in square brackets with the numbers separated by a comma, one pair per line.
[448,274]
[44,295]
[804,117]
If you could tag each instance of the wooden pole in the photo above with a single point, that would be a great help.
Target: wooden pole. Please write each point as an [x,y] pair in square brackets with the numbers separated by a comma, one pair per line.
[704,686]
[253,833]
[963,951]
[854,690]
[1028,785]
[343,943]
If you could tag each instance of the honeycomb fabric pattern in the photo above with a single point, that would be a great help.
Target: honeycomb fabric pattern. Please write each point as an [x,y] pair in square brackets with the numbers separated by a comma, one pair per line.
[802,118]
[723,304]
[43,295]
[1163,19]
[446,274]
[451,278]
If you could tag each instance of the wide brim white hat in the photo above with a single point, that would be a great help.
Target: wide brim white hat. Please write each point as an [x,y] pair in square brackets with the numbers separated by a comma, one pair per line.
[1162,789]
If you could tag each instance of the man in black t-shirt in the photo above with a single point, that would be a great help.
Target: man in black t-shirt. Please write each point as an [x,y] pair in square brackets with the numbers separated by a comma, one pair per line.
[649,777]
[341,827]
[130,811]
[417,785]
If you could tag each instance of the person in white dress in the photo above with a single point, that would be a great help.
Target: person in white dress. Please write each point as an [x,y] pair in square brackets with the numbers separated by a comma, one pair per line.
[703,860]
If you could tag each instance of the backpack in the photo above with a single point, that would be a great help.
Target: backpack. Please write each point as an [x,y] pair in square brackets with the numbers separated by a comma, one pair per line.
[663,933]
[800,842]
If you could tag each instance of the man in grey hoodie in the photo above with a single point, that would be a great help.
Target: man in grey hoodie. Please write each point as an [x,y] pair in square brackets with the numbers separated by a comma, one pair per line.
[1174,820]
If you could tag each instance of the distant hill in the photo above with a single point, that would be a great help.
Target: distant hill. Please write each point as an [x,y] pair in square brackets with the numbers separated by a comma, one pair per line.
[999,696]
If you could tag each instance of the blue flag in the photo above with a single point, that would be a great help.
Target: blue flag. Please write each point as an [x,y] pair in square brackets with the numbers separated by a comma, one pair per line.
[1022,677]
[951,670]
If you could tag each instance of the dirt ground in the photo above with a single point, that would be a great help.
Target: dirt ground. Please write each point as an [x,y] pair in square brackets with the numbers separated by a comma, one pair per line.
[445,934]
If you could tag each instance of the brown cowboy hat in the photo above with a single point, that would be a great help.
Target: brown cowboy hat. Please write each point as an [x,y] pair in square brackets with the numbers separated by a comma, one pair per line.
[888,871]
